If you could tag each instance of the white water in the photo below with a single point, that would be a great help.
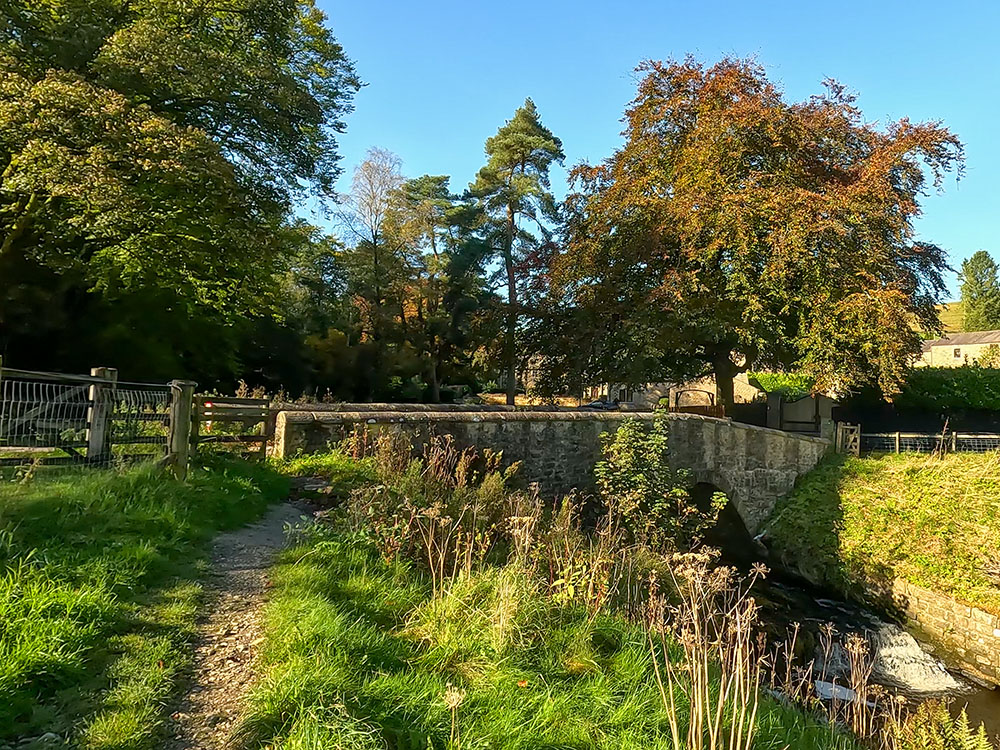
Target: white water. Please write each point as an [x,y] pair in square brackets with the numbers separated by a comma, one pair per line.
[899,661]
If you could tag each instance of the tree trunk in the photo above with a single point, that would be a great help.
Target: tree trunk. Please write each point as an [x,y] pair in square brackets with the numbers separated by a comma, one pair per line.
[433,377]
[509,350]
[24,215]
[725,373]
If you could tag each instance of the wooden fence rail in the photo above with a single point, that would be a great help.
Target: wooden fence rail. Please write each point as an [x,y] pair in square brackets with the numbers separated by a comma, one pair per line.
[55,419]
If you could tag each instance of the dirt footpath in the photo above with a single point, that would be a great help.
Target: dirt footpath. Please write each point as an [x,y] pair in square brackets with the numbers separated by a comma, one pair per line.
[230,630]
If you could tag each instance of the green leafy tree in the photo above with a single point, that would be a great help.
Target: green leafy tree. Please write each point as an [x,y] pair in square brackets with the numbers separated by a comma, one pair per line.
[448,280]
[735,230]
[980,290]
[990,357]
[99,183]
[516,195]
[153,151]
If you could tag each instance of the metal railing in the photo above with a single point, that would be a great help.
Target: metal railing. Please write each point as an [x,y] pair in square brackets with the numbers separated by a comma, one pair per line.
[56,419]
[926,442]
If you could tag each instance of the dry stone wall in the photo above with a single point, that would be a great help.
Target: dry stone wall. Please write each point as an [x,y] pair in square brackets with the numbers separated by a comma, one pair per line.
[967,635]
[558,449]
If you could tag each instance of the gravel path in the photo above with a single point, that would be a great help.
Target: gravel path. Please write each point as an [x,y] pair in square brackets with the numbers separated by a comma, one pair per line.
[229,632]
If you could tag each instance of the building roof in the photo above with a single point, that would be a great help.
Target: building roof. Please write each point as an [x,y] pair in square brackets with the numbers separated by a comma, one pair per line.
[970,337]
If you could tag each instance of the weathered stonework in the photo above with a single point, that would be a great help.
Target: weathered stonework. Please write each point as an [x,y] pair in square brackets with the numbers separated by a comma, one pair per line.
[967,635]
[558,449]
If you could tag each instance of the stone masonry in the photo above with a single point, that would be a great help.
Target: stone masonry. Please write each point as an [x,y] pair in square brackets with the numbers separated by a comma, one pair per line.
[967,635]
[558,449]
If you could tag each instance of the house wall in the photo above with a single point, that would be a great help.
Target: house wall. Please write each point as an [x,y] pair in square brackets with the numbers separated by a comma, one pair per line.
[649,396]
[943,355]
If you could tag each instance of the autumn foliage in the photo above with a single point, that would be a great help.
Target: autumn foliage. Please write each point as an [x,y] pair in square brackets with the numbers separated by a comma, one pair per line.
[735,230]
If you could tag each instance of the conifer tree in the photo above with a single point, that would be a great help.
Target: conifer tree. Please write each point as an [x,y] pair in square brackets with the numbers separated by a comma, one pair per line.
[980,293]
[516,195]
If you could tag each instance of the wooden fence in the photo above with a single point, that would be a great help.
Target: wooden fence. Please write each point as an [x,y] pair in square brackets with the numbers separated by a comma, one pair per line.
[53,419]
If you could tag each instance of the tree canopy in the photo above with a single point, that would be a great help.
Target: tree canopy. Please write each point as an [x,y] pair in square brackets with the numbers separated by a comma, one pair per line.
[154,150]
[735,229]
[516,195]
[156,156]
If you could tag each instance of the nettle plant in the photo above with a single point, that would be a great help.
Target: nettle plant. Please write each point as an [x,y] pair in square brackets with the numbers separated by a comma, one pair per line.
[651,500]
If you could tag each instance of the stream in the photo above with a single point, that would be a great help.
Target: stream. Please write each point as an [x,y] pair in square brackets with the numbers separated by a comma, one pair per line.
[900,662]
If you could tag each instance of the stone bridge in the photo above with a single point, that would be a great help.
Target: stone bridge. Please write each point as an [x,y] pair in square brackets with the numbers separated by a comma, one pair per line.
[753,465]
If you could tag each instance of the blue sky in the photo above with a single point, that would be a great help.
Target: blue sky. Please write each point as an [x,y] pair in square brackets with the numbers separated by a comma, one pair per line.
[443,76]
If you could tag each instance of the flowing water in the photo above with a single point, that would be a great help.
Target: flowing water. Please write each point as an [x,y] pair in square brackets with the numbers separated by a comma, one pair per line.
[900,662]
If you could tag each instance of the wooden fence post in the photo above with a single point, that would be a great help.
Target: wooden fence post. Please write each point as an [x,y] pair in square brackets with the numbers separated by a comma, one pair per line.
[196,407]
[99,414]
[179,442]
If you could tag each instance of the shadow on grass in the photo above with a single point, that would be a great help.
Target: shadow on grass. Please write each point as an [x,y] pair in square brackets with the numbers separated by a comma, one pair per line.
[99,592]
[805,536]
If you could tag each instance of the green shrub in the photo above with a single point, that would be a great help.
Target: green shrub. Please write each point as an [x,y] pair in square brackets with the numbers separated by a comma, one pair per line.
[932,727]
[636,482]
[945,389]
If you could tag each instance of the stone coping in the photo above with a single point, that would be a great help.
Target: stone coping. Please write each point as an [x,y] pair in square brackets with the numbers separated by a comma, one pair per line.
[377,406]
[488,414]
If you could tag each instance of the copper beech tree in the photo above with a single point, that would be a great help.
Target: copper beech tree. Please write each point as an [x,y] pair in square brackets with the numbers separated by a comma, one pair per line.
[735,230]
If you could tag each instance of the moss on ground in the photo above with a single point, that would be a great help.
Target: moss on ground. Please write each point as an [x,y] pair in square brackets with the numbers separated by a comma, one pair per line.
[856,522]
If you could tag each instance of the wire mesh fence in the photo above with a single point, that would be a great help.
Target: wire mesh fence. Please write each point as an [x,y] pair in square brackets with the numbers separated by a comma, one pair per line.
[41,414]
[139,417]
[921,442]
[51,419]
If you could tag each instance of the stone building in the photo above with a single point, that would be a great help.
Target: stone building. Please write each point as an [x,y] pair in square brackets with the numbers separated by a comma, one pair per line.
[957,349]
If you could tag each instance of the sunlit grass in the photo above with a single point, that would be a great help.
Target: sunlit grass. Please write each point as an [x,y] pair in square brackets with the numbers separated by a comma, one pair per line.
[359,649]
[933,522]
[99,593]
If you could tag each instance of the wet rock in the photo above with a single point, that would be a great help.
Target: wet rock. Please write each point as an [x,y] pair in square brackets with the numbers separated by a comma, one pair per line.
[829,691]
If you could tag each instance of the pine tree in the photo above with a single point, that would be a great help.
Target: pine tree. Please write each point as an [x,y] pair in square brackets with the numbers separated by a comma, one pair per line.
[515,191]
[980,292]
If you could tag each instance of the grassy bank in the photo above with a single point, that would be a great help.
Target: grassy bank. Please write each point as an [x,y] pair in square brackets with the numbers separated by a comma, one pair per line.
[933,522]
[360,651]
[99,591]
[437,608]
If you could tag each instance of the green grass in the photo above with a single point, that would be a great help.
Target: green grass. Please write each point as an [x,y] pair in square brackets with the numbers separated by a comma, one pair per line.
[339,469]
[854,522]
[99,593]
[952,316]
[358,654]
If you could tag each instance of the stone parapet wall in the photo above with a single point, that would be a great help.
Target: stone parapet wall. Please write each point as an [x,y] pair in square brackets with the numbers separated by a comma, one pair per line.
[966,635]
[558,448]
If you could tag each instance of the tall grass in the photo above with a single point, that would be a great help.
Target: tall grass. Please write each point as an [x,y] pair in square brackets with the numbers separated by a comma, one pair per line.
[362,648]
[440,609]
[444,610]
[99,591]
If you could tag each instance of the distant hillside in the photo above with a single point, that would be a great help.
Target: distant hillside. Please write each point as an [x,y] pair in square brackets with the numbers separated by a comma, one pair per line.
[952,316]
